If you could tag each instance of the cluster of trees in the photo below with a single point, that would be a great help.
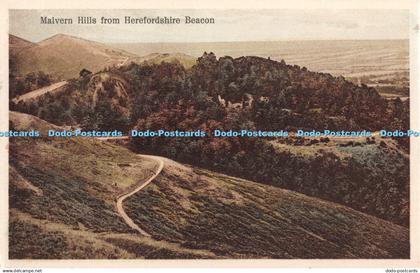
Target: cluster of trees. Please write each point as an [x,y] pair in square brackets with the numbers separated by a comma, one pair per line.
[80,106]
[34,80]
[243,93]
[268,95]
[19,85]
[283,97]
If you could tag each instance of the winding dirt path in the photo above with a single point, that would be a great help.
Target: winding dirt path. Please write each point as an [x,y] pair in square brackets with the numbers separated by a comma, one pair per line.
[112,138]
[41,91]
[120,200]
[123,62]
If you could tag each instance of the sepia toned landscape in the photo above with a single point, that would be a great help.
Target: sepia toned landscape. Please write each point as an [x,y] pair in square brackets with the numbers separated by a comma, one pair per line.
[123,197]
[349,58]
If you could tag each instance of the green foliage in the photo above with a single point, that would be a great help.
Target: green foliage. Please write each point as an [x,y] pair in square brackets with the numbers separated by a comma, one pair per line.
[105,116]
[34,80]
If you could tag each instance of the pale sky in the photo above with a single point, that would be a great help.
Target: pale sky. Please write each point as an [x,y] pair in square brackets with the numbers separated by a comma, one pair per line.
[230,25]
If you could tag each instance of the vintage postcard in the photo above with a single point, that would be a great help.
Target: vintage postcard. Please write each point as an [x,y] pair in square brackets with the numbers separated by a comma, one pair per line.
[271,134]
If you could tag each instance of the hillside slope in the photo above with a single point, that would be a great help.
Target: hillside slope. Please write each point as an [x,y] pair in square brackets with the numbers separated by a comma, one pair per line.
[255,94]
[156,58]
[63,56]
[17,44]
[236,218]
[62,197]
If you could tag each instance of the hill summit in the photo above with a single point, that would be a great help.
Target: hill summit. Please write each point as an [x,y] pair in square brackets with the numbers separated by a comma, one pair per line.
[63,56]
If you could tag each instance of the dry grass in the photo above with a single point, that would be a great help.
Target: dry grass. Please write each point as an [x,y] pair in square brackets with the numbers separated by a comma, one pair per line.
[62,196]
[236,218]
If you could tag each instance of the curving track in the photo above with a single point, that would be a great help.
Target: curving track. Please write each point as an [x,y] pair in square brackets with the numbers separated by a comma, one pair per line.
[120,200]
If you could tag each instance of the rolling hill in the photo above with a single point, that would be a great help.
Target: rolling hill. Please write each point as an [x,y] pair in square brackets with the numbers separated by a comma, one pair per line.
[62,205]
[17,44]
[369,175]
[156,58]
[63,56]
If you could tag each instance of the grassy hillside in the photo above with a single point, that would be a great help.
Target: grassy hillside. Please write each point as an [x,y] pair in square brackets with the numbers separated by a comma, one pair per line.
[17,44]
[157,58]
[237,218]
[64,191]
[368,175]
[64,56]
[62,196]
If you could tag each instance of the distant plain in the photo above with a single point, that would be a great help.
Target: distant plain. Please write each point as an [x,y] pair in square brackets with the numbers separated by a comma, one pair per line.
[339,57]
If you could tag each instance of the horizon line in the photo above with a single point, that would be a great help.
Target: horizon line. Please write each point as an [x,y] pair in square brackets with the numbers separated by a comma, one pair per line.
[260,41]
[199,42]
